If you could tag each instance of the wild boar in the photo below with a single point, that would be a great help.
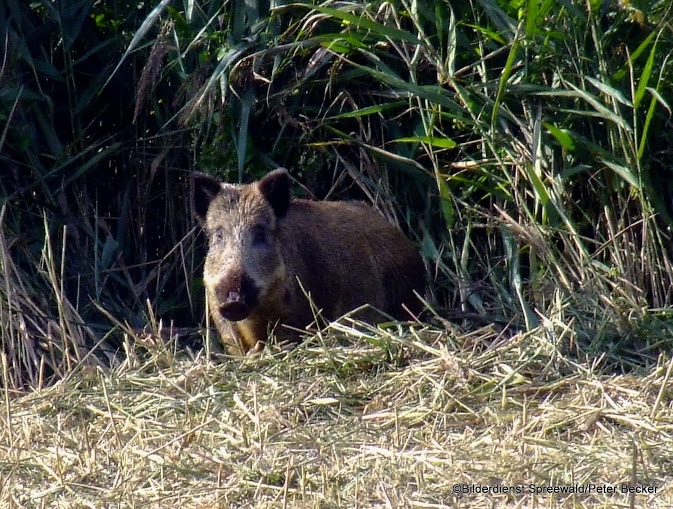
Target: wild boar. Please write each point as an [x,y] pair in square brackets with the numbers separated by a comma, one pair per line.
[267,251]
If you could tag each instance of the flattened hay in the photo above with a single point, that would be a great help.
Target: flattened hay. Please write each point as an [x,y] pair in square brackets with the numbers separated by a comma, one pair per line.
[354,417]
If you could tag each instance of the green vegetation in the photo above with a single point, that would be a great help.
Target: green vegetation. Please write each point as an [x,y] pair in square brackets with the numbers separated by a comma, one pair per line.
[524,146]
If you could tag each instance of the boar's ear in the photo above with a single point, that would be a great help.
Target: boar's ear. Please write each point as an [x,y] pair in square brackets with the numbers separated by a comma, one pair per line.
[275,187]
[204,189]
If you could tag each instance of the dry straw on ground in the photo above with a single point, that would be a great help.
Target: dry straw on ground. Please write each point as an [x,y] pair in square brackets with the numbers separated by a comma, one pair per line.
[390,418]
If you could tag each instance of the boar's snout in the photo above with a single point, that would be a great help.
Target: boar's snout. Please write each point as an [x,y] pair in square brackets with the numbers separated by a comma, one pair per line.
[235,310]
[237,297]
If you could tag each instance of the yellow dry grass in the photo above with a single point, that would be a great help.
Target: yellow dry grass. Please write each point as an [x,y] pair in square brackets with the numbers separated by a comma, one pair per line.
[351,418]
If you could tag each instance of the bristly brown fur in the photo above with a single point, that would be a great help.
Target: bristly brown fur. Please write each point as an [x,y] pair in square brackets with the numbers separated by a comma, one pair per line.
[264,247]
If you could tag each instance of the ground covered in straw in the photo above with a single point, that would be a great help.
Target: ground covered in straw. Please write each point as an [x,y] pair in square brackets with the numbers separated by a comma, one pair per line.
[387,419]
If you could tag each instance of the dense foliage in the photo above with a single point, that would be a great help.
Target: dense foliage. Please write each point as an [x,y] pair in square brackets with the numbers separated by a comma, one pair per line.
[523,145]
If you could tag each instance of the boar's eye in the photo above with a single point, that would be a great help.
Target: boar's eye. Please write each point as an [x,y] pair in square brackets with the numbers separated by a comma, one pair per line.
[260,238]
[217,237]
